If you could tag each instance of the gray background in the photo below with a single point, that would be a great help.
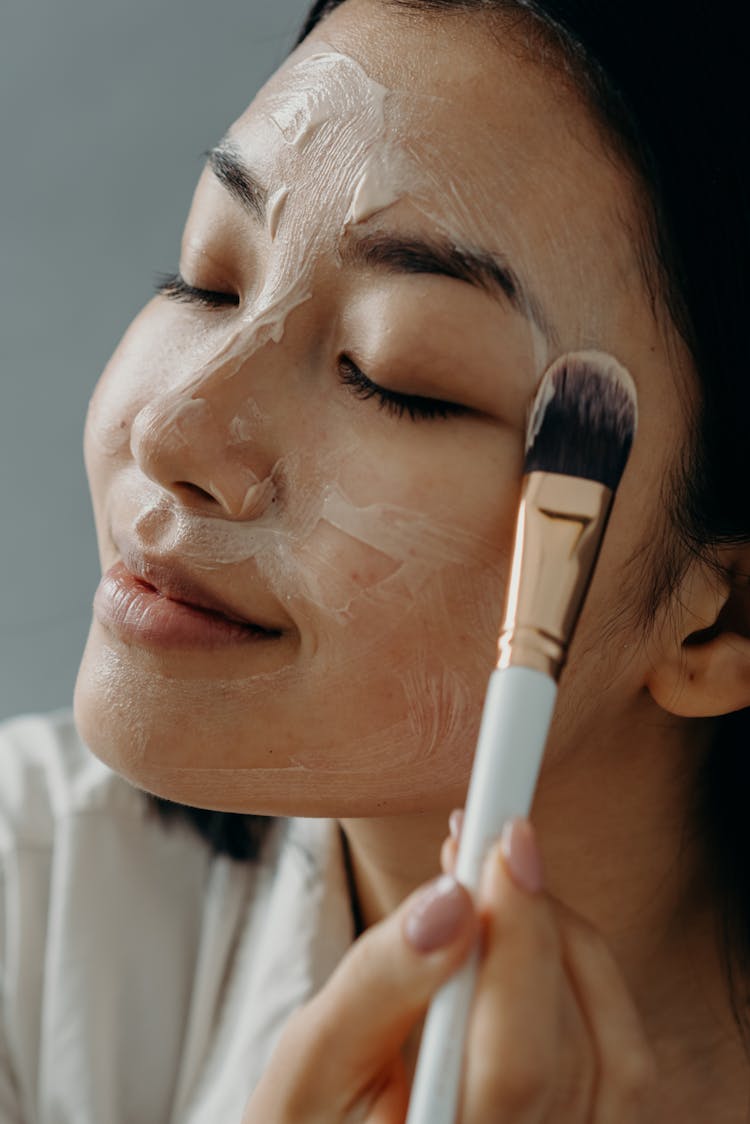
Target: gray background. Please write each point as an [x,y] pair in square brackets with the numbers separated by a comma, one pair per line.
[105,109]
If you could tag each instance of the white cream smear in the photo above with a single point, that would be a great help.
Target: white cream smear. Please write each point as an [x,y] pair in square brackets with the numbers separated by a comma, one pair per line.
[331,116]
[321,112]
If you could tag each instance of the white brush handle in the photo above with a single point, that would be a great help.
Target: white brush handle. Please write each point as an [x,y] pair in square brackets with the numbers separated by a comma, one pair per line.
[515,722]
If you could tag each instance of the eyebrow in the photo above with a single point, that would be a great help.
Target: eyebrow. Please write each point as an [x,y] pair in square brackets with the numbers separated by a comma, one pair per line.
[404,254]
[392,252]
[231,170]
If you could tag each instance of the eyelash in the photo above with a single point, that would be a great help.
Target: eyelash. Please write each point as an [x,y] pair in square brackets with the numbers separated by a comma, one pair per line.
[174,287]
[416,406]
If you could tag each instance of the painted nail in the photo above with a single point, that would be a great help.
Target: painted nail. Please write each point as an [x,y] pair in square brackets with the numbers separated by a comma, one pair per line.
[521,854]
[438,915]
[455,821]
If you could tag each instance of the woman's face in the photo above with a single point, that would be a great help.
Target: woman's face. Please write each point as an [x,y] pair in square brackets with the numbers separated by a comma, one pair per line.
[410,202]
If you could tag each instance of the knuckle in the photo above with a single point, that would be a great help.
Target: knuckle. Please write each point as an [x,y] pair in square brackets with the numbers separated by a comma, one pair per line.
[522,1089]
[297,1040]
[537,931]
[544,936]
[310,1034]
[636,1074]
[581,933]
[515,1082]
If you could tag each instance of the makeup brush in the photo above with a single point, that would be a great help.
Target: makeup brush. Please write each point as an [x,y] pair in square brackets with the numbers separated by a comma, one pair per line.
[580,431]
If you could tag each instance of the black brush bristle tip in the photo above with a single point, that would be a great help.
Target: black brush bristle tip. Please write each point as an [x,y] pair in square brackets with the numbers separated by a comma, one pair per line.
[583,419]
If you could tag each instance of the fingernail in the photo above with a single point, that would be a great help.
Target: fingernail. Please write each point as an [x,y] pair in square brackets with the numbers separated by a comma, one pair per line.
[438,915]
[521,854]
[455,820]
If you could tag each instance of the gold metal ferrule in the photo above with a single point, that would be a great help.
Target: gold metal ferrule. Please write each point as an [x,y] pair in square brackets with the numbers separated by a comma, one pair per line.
[560,527]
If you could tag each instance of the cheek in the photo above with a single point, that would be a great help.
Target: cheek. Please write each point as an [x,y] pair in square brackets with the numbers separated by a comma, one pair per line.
[388,537]
[388,561]
[397,692]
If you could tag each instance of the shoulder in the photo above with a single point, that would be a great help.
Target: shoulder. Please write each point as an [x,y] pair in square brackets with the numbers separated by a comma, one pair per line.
[48,774]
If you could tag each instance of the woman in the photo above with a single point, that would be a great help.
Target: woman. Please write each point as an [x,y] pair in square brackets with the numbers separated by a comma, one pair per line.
[313,436]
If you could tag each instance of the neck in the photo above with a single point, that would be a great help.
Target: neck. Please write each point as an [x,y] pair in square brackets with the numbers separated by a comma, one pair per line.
[390,856]
[614,829]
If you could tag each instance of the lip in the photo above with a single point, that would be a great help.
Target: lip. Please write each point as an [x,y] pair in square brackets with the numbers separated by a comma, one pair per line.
[160,607]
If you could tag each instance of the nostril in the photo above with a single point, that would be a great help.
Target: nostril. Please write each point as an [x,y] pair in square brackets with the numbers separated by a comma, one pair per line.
[234,497]
[182,447]
[194,490]
[257,498]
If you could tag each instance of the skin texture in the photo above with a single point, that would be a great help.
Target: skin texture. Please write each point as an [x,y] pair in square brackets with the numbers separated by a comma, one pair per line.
[366,707]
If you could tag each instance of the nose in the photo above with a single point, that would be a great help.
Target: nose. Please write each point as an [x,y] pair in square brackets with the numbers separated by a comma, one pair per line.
[208,447]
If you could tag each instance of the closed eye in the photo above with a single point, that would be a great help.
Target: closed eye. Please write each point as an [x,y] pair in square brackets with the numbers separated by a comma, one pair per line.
[175,288]
[415,405]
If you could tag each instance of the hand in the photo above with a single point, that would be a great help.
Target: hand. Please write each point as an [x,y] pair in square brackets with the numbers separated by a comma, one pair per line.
[553,1035]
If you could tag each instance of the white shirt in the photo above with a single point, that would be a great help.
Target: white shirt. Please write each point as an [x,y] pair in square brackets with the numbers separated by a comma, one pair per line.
[144,980]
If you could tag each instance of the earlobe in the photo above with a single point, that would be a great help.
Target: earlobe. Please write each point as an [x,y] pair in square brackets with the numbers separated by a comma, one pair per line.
[705,671]
[712,677]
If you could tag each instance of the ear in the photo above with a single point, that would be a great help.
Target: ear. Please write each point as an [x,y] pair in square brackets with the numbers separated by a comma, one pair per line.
[703,668]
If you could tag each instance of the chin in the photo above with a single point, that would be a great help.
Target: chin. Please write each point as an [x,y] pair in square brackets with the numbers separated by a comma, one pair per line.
[207,746]
[147,755]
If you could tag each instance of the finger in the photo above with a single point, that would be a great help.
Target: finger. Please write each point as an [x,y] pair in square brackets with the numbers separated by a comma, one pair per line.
[449,849]
[455,823]
[625,1061]
[354,1028]
[448,855]
[515,1033]
[392,1102]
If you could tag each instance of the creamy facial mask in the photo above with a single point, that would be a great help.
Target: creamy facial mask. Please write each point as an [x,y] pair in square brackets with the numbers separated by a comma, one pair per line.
[335,151]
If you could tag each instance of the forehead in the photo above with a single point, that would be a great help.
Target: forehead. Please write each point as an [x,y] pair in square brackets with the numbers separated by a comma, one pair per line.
[482,142]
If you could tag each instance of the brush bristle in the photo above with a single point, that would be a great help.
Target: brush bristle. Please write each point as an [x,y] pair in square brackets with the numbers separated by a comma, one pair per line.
[583,419]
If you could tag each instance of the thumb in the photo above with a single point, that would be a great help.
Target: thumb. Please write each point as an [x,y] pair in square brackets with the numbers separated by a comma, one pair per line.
[346,1039]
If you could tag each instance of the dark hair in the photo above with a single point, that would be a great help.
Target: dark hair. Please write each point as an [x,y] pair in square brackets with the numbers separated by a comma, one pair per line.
[667,80]
[237,835]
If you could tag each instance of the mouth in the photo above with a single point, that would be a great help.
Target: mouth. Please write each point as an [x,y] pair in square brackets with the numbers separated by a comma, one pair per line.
[155,605]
